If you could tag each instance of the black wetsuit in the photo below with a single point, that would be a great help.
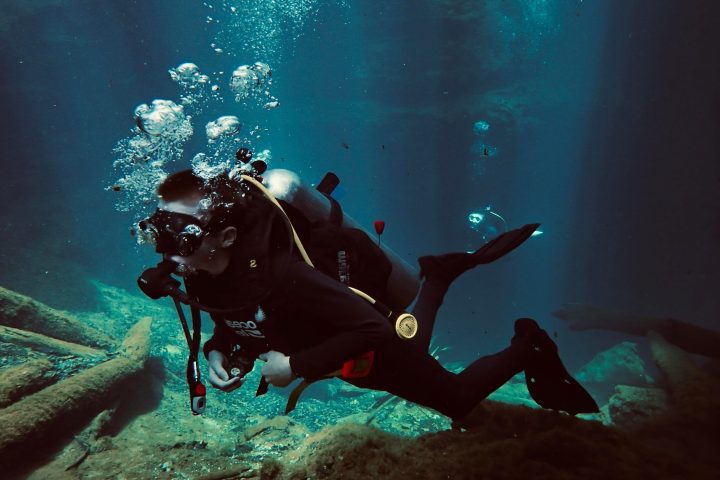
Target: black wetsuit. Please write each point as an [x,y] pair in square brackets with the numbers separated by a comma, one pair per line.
[319,323]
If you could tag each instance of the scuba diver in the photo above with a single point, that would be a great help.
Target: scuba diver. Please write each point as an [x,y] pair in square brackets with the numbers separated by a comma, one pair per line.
[239,252]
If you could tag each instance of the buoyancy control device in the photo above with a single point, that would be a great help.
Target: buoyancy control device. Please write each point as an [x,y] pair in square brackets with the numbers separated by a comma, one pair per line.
[322,211]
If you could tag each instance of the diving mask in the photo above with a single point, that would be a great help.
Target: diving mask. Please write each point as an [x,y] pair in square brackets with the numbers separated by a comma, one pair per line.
[172,232]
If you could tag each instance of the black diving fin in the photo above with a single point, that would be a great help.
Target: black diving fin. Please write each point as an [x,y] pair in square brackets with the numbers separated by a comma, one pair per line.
[449,266]
[504,244]
[548,382]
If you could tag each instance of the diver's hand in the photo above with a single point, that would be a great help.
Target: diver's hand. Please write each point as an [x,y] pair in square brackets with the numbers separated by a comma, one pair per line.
[219,378]
[277,369]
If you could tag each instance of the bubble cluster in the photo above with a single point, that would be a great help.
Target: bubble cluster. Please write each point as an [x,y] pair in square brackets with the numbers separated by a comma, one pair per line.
[207,167]
[161,118]
[253,81]
[263,28]
[480,127]
[161,131]
[163,127]
[226,125]
[264,155]
[188,75]
[224,139]
[196,87]
[480,149]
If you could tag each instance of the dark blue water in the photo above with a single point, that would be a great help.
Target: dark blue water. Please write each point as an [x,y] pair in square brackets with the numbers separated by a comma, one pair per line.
[604,116]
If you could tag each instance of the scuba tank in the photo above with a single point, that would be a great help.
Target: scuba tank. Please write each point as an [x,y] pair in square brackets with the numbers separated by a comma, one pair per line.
[404,281]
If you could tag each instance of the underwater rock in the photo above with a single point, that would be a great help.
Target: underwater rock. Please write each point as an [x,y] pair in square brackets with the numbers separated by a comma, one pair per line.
[275,436]
[23,312]
[30,377]
[688,429]
[685,380]
[344,389]
[514,392]
[49,415]
[713,367]
[619,365]
[511,442]
[631,405]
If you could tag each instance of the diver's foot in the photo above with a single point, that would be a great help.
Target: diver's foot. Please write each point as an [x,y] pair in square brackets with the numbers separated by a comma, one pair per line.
[548,382]
[445,268]
[449,266]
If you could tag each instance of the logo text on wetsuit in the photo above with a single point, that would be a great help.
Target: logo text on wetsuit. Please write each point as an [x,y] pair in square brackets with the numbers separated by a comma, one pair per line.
[249,328]
[245,329]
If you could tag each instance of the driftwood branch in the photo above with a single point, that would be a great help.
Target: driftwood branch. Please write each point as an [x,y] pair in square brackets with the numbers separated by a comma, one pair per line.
[30,377]
[45,344]
[42,418]
[20,311]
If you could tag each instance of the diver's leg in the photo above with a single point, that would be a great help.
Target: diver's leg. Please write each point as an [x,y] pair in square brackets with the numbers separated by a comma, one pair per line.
[416,376]
[432,293]
[441,270]
[405,371]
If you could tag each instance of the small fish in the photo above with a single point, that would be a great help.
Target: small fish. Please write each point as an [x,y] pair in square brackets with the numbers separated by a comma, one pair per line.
[133,232]
[383,146]
[116,188]
[345,145]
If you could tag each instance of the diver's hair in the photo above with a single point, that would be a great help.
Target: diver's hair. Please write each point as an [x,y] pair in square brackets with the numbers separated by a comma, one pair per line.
[227,197]
[180,185]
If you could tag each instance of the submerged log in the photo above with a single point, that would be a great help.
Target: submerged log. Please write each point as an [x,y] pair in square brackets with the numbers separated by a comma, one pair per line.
[20,311]
[45,344]
[75,453]
[59,410]
[22,380]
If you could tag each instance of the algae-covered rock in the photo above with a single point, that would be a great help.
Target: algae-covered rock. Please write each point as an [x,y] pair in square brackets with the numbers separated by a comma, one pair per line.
[514,392]
[685,380]
[620,365]
[512,442]
[274,436]
[631,405]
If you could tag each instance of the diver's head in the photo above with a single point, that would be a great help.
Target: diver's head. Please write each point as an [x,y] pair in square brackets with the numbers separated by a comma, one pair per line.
[196,222]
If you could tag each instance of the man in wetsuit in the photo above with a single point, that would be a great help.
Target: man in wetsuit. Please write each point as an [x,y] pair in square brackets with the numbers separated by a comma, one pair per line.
[228,244]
